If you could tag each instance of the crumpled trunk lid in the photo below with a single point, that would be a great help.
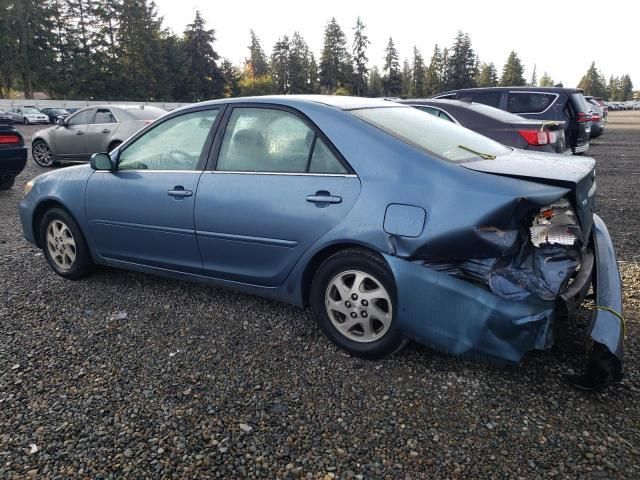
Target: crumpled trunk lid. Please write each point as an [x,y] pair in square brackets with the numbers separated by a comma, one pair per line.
[578,174]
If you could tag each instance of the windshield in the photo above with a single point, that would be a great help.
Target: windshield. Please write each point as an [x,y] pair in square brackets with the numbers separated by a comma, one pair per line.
[30,110]
[446,140]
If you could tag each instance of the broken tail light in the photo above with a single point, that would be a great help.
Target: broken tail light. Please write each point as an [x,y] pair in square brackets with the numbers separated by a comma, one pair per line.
[554,224]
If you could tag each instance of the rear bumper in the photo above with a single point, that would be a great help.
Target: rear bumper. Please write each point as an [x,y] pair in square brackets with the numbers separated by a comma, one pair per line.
[580,148]
[460,318]
[12,161]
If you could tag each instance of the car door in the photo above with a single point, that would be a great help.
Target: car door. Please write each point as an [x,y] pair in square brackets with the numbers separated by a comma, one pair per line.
[273,187]
[71,139]
[101,130]
[142,212]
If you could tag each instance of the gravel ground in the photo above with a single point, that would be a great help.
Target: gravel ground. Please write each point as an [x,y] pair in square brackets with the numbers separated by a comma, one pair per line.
[129,375]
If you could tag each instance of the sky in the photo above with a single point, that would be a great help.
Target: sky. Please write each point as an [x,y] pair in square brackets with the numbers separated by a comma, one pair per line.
[560,37]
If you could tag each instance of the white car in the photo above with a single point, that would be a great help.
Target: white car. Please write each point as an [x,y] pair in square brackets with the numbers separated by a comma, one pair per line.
[28,115]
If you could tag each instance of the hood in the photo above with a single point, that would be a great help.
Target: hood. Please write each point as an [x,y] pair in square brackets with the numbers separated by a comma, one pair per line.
[551,169]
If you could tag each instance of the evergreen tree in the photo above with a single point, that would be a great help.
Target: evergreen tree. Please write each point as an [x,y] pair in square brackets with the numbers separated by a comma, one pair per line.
[461,64]
[280,65]
[488,75]
[418,85]
[626,87]
[546,80]
[106,47]
[8,49]
[512,72]
[302,67]
[613,89]
[375,83]
[593,83]
[232,78]
[335,61]
[257,61]
[392,78]
[205,78]
[534,78]
[360,44]
[406,79]
[434,74]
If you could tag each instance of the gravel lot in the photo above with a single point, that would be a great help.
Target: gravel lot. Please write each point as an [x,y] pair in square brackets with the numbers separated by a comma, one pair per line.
[125,374]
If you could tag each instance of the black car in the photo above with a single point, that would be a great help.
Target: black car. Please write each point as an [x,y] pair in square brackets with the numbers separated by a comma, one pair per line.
[504,127]
[13,155]
[55,113]
[542,103]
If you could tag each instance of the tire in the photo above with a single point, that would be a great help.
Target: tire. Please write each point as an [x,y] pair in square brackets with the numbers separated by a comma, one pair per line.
[26,121]
[70,260]
[360,322]
[6,182]
[42,154]
[113,145]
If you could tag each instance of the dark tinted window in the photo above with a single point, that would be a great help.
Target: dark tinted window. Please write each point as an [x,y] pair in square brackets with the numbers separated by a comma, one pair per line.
[81,118]
[104,115]
[487,98]
[579,102]
[451,96]
[495,113]
[430,110]
[529,102]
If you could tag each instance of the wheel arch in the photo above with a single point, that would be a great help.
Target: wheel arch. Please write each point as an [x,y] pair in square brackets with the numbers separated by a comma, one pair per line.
[321,255]
[39,212]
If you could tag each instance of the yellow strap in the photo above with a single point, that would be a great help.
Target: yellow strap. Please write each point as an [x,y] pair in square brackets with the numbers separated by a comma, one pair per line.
[611,310]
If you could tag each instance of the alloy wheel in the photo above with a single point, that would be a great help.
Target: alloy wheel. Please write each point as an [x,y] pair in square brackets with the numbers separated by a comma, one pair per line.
[61,244]
[42,154]
[359,306]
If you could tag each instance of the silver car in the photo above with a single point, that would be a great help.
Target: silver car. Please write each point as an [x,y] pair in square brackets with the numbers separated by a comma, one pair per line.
[91,130]
[28,115]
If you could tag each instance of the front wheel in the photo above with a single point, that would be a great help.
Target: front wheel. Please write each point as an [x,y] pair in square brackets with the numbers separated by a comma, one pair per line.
[26,121]
[353,299]
[63,245]
[42,154]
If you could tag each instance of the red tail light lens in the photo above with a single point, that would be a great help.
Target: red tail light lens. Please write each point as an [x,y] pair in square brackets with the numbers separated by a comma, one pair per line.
[595,118]
[9,139]
[583,117]
[535,137]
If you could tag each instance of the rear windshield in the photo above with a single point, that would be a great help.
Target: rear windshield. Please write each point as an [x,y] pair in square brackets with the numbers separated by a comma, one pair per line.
[580,102]
[57,110]
[495,113]
[422,130]
[146,113]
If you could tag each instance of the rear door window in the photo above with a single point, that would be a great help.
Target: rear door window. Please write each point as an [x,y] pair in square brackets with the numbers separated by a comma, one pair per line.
[104,115]
[529,102]
[487,98]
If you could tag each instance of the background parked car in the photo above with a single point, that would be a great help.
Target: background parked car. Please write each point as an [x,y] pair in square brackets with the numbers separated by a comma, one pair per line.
[598,116]
[5,118]
[90,130]
[13,155]
[543,103]
[504,127]
[28,115]
[55,113]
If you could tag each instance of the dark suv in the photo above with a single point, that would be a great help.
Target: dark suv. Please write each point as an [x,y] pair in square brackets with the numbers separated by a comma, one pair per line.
[542,103]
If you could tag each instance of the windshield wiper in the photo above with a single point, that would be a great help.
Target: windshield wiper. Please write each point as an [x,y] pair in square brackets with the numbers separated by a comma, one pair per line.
[484,156]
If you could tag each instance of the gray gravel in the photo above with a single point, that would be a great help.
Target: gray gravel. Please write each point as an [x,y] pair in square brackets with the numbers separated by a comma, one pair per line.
[132,375]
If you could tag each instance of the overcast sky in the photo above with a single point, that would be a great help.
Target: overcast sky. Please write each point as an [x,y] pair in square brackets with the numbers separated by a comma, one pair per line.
[559,37]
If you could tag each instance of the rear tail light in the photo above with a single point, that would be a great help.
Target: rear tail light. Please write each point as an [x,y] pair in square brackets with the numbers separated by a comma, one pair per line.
[583,117]
[537,137]
[9,139]
[595,117]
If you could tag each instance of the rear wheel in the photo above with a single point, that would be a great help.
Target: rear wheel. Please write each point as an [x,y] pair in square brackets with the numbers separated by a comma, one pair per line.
[63,245]
[42,154]
[354,303]
[6,182]
[26,121]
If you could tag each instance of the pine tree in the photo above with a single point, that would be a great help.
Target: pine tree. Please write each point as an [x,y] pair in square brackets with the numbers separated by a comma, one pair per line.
[461,65]
[546,80]
[335,61]
[626,88]
[434,74]
[375,83]
[232,78]
[280,65]
[206,79]
[302,68]
[418,74]
[534,78]
[360,44]
[512,72]
[406,79]
[257,61]
[392,78]
[488,75]
[8,49]
[593,83]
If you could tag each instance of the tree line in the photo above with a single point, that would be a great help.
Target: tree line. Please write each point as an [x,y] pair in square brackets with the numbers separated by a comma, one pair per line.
[120,50]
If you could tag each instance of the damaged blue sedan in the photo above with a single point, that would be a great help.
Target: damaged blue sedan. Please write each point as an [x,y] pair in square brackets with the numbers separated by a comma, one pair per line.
[390,223]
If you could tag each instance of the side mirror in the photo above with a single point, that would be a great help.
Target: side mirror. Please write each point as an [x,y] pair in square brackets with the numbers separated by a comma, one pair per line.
[101,161]
[61,122]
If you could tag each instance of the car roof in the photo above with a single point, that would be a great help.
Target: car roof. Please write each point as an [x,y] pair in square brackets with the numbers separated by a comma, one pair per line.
[521,89]
[337,101]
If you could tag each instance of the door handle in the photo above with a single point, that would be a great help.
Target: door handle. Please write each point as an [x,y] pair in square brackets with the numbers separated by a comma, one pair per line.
[323,198]
[106,130]
[80,132]
[179,192]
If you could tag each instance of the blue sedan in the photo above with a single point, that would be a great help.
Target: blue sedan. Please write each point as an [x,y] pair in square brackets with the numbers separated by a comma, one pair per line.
[391,224]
